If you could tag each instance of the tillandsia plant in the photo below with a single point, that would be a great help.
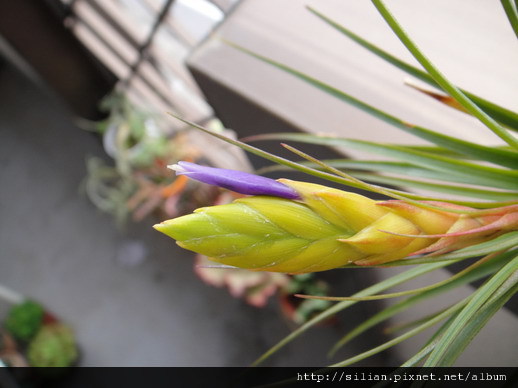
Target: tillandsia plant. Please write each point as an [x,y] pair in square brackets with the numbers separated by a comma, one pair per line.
[298,227]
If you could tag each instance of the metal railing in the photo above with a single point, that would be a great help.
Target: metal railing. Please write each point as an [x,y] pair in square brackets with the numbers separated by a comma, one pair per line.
[150,72]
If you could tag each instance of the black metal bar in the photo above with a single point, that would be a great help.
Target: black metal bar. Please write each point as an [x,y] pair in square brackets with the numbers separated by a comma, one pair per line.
[113,23]
[119,29]
[179,37]
[70,8]
[144,49]
[113,49]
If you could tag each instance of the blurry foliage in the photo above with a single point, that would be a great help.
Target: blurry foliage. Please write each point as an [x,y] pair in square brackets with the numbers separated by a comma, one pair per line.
[53,346]
[24,320]
[34,337]
[253,287]
[139,183]
[299,310]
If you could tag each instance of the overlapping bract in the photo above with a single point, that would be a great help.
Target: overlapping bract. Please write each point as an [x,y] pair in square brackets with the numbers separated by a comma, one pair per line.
[326,228]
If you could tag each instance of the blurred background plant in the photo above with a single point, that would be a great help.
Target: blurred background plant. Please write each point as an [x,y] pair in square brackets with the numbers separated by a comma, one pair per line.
[300,311]
[255,288]
[138,183]
[32,336]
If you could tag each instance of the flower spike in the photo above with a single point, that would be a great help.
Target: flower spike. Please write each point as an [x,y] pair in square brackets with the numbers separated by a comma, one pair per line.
[318,228]
[238,181]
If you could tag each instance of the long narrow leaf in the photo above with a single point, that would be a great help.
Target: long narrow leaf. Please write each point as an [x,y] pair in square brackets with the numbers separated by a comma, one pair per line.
[406,292]
[445,84]
[403,337]
[404,196]
[486,312]
[512,14]
[499,113]
[500,243]
[402,168]
[490,195]
[490,154]
[478,273]
[480,175]
[273,158]
[442,354]
[408,325]
[475,173]
[378,287]
[317,173]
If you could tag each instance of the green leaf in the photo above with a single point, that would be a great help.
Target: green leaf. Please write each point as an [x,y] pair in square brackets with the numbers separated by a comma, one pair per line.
[273,158]
[503,115]
[403,337]
[408,325]
[483,315]
[467,277]
[445,84]
[404,196]
[383,285]
[409,169]
[331,177]
[402,293]
[512,14]
[480,175]
[490,195]
[474,173]
[495,155]
[443,354]
[401,168]
[348,181]
[430,345]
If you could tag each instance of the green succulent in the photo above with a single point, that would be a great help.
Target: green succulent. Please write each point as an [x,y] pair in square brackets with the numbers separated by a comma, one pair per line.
[24,320]
[53,346]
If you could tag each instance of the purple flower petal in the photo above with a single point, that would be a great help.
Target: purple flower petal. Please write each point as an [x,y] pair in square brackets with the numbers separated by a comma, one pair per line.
[238,181]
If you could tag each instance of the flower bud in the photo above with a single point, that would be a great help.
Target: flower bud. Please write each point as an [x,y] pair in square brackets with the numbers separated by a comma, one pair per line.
[238,181]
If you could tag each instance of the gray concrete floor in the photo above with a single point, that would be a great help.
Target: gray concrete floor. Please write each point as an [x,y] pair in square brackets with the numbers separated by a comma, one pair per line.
[57,248]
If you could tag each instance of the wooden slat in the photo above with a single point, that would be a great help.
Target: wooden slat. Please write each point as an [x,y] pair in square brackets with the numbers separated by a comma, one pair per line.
[108,32]
[178,33]
[117,66]
[87,14]
[119,20]
[107,56]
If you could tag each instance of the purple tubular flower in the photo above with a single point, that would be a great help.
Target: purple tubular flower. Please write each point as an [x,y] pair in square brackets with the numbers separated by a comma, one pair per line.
[238,181]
